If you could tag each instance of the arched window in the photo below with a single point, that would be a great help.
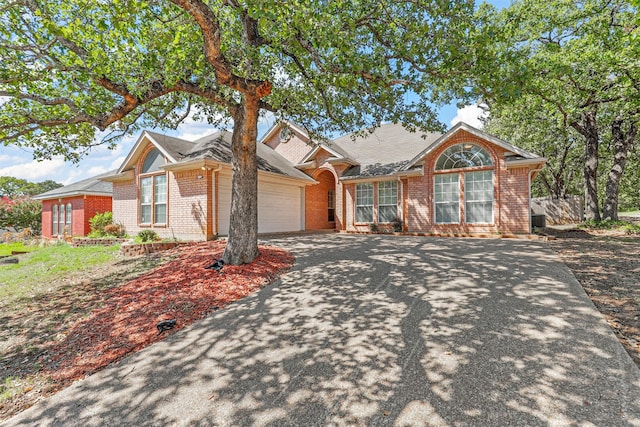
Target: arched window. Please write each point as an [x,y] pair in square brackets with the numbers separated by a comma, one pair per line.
[463,156]
[153,161]
[478,185]
[153,189]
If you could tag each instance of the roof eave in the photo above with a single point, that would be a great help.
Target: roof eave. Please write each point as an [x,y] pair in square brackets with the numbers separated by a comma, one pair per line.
[396,175]
[127,175]
[526,162]
[73,194]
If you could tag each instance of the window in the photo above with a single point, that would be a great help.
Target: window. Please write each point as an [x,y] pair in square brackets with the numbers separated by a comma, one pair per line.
[54,221]
[61,219]
[153,190]
[478,196]
[364,202]
[331,204]
[447,198]
[69,217]
[387,201]
[160,199]
[464,155]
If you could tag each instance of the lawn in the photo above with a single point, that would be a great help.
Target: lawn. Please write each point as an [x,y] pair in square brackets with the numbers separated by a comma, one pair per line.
[8,248]
[40,270]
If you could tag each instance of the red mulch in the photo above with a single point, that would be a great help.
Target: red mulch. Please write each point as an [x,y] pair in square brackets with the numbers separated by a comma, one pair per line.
[181,289]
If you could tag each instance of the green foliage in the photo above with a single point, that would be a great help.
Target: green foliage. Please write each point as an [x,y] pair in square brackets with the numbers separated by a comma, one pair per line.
[397,225]
[7,248]
[560,77]
[21,213]
[147,236]
[14,187]
[71,68]
[46,265]
[102,225]
[374,227]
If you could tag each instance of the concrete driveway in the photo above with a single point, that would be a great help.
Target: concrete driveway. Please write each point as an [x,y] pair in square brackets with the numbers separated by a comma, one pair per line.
[379,331]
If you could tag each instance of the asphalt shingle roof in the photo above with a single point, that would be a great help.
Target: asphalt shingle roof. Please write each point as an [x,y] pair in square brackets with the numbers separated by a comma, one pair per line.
[91,185]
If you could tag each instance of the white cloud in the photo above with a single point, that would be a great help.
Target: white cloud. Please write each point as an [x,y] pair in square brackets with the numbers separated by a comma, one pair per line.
[35,170]
[470,114]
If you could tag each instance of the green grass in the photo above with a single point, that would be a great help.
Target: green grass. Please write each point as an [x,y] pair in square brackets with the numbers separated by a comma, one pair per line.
[627,227]
[6,248]
[40,270]
[629,213]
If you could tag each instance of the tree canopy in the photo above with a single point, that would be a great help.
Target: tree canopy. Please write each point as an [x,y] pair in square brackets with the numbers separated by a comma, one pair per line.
[570,66]
[73,67]
[13,187]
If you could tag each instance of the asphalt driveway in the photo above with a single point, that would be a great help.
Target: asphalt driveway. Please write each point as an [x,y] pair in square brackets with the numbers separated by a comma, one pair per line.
[377,331]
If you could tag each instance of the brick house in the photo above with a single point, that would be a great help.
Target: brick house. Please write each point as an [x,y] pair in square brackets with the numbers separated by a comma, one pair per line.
[463,181]
[66,211]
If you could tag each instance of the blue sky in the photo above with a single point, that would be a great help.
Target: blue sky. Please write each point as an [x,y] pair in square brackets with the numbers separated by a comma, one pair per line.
[19,162]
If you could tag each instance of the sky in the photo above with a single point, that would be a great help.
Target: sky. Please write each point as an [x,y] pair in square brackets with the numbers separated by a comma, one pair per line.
[19,163]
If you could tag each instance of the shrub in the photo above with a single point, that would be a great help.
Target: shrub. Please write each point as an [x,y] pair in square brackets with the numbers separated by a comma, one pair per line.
[397,225]
[102,225]
[373,227]
[147,236]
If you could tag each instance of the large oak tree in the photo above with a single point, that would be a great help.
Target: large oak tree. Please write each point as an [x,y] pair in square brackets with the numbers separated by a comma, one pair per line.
[569,65]
[75,67]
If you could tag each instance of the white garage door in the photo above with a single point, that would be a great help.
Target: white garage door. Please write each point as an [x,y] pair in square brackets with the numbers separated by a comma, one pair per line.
[279,206]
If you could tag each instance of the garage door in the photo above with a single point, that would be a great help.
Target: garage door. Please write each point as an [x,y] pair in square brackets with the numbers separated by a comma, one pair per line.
[279,206]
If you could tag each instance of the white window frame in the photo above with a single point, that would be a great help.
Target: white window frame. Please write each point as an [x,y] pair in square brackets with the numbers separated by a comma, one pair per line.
[392,199]
[444,198]
[477,193]
[68,219]
[364,191]
[155,199]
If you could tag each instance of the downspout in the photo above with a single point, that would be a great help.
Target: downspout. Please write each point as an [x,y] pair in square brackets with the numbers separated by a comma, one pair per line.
[529,206]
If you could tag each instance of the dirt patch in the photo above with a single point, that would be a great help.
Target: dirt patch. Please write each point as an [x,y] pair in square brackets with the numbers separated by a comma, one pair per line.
[51,340]
[607,265]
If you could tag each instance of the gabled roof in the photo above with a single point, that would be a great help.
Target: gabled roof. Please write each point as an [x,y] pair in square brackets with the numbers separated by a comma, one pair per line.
[277,126]
[90,187]
[518,154]
[217,147]
[386,151]
[169,146]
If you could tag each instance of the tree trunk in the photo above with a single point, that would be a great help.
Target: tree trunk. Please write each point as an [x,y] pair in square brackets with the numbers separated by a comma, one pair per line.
[242,244]
[622,143]
[589,129]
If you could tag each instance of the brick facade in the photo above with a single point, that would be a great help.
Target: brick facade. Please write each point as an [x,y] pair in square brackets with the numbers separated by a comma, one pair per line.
[84,207]
[416,194]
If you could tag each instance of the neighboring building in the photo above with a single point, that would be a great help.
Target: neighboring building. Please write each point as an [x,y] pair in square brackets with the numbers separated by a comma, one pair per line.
[66,210]
[463,181]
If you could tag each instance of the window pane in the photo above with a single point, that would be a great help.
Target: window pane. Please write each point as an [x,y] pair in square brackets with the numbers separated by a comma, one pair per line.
[160,189]
[463,156]
[153,161]
[364,202]
[145,190]
[387,201]
[61,219]
[54,215]
[69,217]
[364,214]
[479,197]
[145,214]
[447,198]
[160,213]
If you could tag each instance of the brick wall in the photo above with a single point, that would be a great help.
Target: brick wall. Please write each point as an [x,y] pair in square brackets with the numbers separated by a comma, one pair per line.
[79,218]
[511,193]
[125,205]
[294,149]
[316,202]
[190,216]
[92,206]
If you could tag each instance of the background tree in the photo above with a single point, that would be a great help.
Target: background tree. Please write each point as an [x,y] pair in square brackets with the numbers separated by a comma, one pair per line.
[73,67]
[13,187]
[20,213]
[572,61]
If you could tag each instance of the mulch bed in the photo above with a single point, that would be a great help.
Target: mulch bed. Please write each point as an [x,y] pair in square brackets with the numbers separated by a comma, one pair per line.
[123,318]
[181,289]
